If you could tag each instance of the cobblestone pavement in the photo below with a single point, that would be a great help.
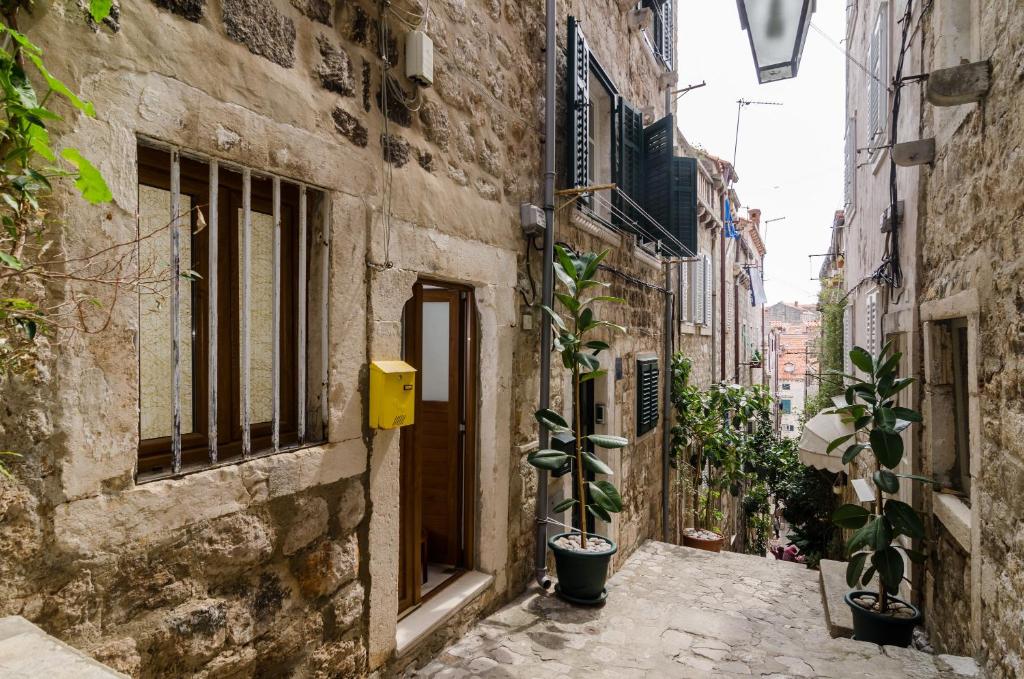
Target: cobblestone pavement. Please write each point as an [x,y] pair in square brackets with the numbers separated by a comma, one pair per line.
[679,612]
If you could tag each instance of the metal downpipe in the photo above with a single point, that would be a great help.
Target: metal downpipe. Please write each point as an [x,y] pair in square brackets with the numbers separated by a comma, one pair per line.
[547,289]
[666,429]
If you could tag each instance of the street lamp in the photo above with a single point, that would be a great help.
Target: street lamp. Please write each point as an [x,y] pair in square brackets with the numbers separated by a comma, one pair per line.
[777,30]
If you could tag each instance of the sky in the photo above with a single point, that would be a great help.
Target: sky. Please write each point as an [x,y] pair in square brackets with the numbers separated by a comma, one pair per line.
[790,157]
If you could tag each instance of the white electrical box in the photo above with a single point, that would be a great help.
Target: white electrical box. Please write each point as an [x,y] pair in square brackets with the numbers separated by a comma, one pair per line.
[419,58]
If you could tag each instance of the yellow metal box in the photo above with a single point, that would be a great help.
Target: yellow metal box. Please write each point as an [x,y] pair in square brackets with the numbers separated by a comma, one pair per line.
[392,394]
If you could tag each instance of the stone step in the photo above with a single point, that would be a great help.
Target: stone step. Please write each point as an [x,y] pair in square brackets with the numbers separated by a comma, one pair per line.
[838,617]
[27,652]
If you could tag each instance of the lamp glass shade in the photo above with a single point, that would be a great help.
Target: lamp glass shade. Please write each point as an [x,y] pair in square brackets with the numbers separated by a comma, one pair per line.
[777,30]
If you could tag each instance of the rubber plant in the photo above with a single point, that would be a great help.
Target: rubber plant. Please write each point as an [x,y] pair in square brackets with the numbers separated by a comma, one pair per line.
[579,352]
[878,422]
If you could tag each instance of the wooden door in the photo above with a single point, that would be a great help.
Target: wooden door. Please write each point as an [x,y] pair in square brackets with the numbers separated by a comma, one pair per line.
[437,459]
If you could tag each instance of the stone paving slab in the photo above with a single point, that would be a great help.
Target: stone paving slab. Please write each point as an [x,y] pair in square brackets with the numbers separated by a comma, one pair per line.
[678,612]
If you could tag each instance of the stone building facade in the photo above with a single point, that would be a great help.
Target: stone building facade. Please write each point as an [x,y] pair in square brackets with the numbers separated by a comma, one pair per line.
[957,315]
[288,562]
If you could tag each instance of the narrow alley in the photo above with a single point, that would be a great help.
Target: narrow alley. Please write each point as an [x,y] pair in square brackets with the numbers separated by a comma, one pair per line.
[682,612]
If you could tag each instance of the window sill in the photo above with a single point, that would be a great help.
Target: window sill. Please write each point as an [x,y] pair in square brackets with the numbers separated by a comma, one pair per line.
[416,626]
[955,515]
[595,228]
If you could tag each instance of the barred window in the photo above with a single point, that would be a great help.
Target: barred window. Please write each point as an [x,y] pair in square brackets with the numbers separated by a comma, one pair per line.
[232,312]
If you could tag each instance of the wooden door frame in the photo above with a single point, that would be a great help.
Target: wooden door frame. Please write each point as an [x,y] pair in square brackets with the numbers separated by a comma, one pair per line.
[465,349]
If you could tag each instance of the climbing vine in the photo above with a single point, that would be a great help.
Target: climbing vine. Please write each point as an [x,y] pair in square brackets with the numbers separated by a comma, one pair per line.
[831,304]
[33,275]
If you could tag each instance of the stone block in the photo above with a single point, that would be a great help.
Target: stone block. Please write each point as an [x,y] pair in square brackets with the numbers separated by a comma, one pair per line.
[838,616]
[308,522]
[317,10]
[963,84]
[259,26]
[347,606]
[234,542]
[396,150]
[27,651]
[190,9]
[335,70]
[328,566]
[349,126]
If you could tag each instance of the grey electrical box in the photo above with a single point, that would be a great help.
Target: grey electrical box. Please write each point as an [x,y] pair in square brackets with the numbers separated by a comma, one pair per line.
[531,218]
[886,222]
[419,58]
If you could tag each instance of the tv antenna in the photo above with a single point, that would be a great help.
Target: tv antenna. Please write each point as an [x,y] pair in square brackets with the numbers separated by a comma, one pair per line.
[740,103]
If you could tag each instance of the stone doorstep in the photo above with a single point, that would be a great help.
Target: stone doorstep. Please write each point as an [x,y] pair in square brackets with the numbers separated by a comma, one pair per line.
[27,652]
[416,626]
[838,617]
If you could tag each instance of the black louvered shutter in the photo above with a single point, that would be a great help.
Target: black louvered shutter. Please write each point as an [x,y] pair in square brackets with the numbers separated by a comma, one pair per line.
[658,165]
[684,223]
[646,395]
[628,159]
[578,83]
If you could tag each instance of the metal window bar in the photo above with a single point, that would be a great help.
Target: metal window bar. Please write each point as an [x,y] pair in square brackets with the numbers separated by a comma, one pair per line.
[212,236]
[246,310]
[300,424]
[325,221]
[175,310]
[322,239]
[275,370]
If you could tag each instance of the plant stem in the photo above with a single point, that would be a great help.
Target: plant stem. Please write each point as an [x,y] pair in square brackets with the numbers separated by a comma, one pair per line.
[579,456]
[883,604]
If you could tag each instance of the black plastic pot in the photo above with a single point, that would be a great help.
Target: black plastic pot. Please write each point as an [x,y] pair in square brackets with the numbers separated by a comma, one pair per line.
[881,629]
[582,575]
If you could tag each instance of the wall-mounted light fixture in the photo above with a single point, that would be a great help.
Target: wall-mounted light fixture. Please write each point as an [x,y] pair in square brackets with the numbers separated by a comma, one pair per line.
[777,30]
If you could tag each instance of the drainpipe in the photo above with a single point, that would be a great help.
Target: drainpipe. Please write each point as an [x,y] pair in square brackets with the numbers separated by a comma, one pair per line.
[547,290]
[666,430]
[721,301]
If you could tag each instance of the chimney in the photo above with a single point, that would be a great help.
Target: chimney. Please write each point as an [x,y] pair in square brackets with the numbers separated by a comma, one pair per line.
[755,216]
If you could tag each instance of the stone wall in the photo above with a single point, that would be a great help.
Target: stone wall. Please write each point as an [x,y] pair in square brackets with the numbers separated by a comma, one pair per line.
[972,248]
[287,564]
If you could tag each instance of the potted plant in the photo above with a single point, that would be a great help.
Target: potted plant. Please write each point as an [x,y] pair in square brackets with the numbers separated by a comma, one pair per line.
[581,560]
[755,360]
[879,616]
[710,438]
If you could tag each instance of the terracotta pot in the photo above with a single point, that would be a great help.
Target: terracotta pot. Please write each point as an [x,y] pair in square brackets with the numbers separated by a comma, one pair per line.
[708,545]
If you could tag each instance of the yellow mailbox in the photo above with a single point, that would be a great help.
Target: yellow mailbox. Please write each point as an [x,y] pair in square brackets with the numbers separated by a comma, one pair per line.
[392,394]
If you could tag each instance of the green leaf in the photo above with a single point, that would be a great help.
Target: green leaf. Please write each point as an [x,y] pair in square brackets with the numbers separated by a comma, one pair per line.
[10,261]
[838,442]
[885,418]
[887,447]
[592,375]
[586,321]
[904,519]
[907,415]
[606,298]
[555,318]
[597,345]
[567,263]
[592,263]
[566,279]
[62,89]
[852,452]
[889,564]
[915,556]
[918,477]
[600,512]
[851,398]
[889,365]
[586,360]
[861,422]
[570,302]
[850,516]
[607,441]
[565,504]
[552,420]
[89,181]
[855,567]
[875,535]
[100,9]
[886,481]
[605,495]
[595,464]
[868,574]
[547,459]
[862,359]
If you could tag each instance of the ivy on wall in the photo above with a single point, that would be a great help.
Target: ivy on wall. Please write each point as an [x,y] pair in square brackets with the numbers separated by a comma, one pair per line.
[31,269]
